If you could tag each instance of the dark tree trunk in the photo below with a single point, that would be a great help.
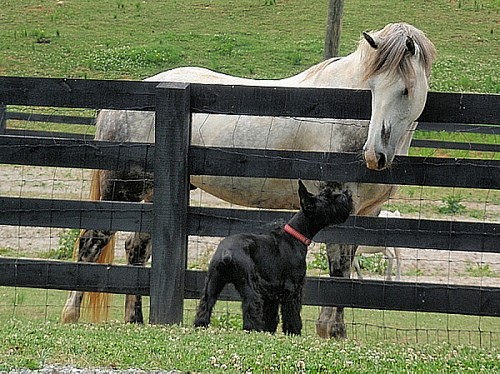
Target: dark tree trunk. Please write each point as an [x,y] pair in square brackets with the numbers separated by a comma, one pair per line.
[333,28]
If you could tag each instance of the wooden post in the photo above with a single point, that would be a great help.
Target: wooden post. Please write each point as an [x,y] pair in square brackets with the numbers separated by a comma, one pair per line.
[333,27]
[3,118]
[171,194]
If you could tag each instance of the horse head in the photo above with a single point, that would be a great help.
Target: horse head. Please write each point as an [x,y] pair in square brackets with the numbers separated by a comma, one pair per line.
[398,61]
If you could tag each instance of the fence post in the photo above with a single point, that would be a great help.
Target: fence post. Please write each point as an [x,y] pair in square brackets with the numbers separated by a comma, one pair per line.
[3,118]
[171,197]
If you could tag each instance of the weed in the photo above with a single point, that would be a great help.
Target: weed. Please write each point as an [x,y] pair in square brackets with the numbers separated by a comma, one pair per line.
[414,272]
[477,213]
[404,208]
[64,250]
[227,321]
[295,58]
[452,205]
[320,259]
[226,44]
[7,251]
[475,269]
[19,298]
[375,264]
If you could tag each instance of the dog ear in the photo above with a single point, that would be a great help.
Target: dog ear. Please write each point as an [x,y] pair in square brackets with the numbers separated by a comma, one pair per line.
[307,201]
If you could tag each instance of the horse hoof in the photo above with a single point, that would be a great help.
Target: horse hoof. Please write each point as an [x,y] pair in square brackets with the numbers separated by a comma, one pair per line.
[70,315]
[324,322]
[339,331]
[322,330]
[135,318]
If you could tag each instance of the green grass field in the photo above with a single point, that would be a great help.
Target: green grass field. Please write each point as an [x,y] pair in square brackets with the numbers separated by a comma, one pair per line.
[230,351]
[121,39]
[380,341]
[133,39]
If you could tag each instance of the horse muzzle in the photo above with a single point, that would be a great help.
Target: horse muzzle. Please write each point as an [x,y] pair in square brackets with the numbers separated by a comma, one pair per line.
[375,160]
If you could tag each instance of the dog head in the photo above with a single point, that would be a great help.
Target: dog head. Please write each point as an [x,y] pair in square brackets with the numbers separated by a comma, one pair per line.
[328,207]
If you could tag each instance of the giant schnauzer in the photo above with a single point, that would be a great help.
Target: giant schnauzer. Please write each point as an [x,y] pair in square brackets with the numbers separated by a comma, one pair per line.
[269,270]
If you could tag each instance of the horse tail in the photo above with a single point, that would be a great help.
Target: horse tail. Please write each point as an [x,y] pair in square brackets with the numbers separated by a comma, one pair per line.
[96,304]
[95,194]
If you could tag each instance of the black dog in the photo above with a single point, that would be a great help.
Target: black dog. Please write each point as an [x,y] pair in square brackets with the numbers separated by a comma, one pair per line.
[269,270]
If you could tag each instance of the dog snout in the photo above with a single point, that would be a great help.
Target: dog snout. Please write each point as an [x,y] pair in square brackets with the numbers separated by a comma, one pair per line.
[347,196]
[346,199]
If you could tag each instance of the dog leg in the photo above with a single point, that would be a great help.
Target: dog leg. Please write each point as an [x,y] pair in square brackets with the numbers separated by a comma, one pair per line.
[213,288]
[252,307]
[290,311]
[271,318]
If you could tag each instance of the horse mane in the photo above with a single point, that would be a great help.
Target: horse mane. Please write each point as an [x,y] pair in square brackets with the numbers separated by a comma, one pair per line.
[392,51]
[318,68]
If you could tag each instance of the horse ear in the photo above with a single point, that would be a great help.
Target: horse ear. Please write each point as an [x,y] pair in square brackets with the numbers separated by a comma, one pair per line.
[410,45]
[370,40]
[306,198]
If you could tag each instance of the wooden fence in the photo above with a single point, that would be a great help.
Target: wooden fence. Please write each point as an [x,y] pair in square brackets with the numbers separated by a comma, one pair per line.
[167,281]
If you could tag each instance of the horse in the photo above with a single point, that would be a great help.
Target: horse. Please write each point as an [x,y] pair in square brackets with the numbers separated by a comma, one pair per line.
[394,63]
[390,253]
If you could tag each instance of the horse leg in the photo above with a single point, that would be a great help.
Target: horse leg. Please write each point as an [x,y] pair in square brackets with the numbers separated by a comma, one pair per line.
[357,267]
[138,250]
[90,246]
[331,319]
[389,255]
[397,254]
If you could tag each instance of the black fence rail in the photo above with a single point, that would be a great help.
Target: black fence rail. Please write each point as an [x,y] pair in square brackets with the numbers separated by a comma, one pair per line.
[123,279]
[462,128]
[167,282]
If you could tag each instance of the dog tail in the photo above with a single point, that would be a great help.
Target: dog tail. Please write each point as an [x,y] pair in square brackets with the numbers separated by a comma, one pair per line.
[227,256]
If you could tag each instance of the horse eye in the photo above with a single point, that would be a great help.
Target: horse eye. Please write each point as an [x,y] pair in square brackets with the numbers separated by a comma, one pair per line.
[405,92]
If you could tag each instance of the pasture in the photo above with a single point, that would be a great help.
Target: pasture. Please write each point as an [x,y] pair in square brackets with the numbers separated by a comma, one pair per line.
[75,40]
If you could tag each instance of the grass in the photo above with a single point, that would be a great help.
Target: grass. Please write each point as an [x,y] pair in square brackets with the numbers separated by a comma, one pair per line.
[131,39]
[246,38]
[380,341]
[365,326]
[217,350]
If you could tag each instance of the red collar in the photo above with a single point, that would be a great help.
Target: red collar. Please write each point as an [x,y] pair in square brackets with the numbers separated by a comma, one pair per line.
[297,235]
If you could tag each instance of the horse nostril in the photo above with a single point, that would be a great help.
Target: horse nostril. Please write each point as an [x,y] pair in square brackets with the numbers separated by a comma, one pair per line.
[381,161]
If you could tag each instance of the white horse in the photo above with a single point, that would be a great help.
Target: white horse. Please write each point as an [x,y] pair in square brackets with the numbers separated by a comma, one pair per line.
[390,253]
[394,63]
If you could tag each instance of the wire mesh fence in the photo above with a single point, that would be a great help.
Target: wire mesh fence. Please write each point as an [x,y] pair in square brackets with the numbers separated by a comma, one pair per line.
[417,265]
